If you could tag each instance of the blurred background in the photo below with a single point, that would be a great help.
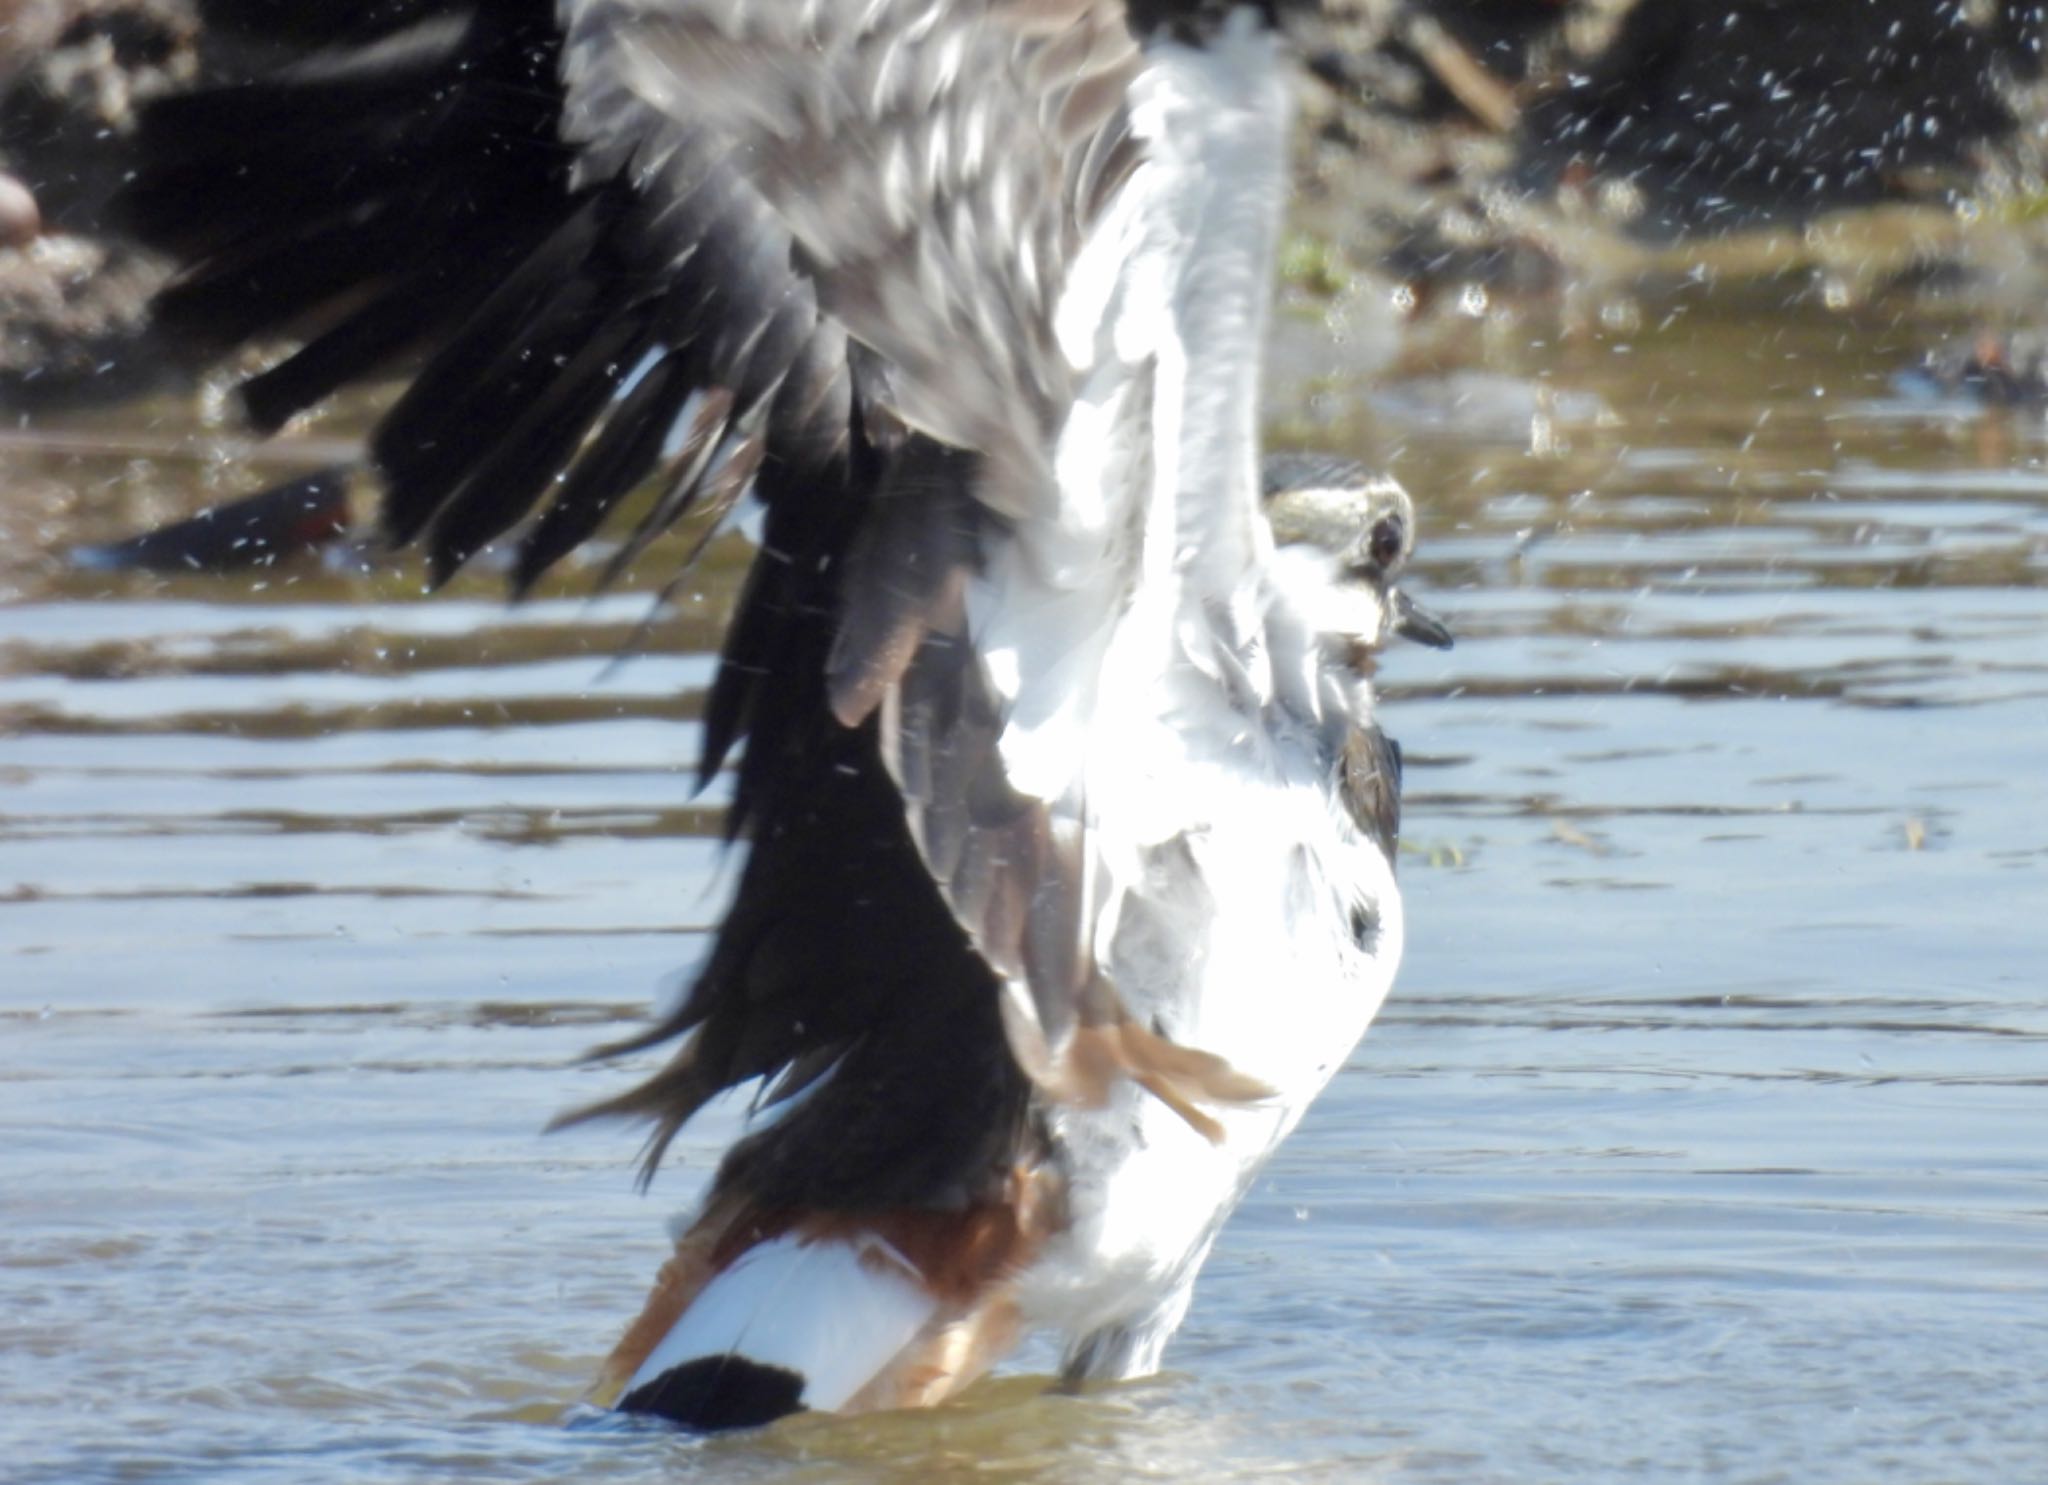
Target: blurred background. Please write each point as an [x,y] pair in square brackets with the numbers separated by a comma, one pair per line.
[1702,1138]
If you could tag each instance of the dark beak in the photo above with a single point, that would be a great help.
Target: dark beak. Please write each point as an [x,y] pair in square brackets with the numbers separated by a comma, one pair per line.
[1413,621]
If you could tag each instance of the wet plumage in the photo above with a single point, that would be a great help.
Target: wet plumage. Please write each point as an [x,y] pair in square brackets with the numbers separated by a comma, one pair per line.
[1068,826]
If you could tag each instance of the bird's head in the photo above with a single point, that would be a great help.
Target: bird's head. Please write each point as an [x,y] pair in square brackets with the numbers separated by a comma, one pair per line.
[1366,523]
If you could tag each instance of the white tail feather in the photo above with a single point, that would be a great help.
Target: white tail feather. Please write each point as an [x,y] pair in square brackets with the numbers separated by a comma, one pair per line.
[834,1312]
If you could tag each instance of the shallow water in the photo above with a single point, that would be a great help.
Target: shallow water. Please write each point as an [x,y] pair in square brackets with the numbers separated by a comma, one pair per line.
[1702,1139]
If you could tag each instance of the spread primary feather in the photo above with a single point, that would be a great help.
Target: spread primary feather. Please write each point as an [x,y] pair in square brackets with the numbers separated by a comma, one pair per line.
[1067,823]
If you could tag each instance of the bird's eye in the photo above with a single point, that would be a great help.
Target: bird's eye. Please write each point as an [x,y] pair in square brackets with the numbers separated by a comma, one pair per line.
[1389,533]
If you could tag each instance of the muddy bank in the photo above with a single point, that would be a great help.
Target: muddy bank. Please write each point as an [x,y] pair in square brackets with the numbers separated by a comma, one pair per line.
[74,75]
[1510,147]
[1690,116]
[1520,145]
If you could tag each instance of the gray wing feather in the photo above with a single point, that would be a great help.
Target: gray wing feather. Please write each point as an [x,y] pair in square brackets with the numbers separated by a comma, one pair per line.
[936,166]
[933,161]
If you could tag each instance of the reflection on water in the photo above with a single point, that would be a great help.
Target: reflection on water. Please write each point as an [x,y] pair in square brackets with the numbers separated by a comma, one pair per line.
[1701,1138]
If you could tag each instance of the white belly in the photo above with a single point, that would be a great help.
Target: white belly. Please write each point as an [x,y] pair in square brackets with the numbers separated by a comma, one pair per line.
[1236,937]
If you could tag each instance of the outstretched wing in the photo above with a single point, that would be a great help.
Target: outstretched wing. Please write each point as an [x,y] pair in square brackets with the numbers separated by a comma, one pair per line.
[814,249]
[928,162]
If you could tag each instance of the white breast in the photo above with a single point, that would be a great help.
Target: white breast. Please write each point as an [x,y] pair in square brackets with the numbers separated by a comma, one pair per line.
[1163,689]
[1236,935]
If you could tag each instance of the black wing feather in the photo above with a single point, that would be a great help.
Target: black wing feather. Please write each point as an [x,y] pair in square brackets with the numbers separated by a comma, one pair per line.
[641,307]
[427,162]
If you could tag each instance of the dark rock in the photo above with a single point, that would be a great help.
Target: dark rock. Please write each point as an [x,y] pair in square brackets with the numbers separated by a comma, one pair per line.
[74,302]
[72,75]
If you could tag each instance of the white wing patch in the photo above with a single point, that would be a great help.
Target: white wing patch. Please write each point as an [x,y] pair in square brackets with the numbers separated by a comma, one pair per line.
[1162,322]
